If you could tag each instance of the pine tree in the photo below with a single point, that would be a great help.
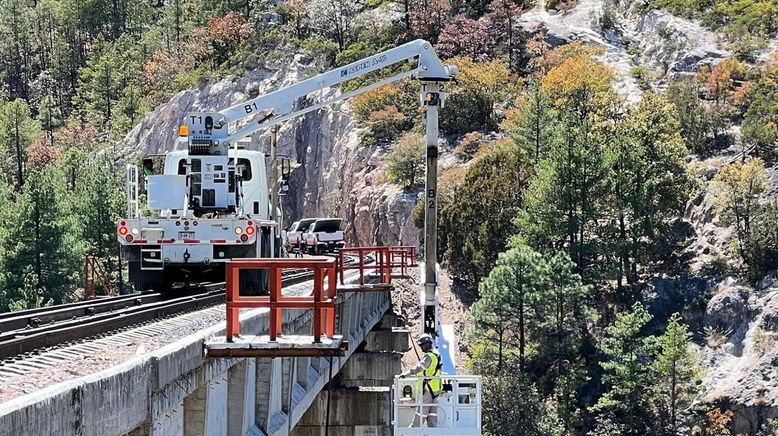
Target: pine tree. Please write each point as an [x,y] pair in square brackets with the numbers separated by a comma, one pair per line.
[486,203]
[563,313]
[8,214]
[17,132]
[565,198]
[675,370]
[648,181]
[98,201]
[531,124]
[739,186]
[627,374]
[17,49]
[38,249]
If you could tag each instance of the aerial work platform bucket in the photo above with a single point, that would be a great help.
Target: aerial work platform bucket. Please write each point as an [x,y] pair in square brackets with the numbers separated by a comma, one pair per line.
[321,300]
[457,407]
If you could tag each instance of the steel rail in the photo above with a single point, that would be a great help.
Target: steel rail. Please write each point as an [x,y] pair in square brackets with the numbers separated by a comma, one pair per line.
[19,342]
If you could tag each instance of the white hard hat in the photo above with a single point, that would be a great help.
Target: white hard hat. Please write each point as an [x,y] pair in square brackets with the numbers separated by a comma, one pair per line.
[426,338]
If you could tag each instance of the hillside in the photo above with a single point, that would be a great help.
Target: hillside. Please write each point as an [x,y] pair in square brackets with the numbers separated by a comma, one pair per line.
[609,179]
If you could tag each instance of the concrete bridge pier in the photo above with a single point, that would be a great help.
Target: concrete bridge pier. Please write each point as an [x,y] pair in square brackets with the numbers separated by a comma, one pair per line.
[360,402]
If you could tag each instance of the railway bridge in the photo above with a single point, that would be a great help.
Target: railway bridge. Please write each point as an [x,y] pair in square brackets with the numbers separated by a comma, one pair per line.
[176,389]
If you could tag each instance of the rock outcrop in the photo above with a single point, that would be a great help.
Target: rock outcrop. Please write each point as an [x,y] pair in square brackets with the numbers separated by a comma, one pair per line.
[667,46]
[742,361]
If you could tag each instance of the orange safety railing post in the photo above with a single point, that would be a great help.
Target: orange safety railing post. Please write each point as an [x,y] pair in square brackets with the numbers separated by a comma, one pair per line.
[318,283]
[387,270]
[233,313]
[331,295]
[361,266]
[276,318]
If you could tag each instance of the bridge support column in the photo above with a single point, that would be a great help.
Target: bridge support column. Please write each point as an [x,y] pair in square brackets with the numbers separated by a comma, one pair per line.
[205,409]
[240,397]
[269,389]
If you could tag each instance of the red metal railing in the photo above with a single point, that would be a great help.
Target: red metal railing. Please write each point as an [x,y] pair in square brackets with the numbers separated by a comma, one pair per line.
[93,271]
[321,300]
[380,263]
[402,257]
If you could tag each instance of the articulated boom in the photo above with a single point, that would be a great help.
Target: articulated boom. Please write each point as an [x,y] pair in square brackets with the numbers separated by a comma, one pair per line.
[209,131]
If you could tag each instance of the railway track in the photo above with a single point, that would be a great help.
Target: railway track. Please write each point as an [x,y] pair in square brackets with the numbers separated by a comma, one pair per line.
[28,331]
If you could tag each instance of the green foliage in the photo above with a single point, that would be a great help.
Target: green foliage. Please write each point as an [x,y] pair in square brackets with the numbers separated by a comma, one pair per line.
[694,118]
[530,124]
[110,84]
[37,249]
[761,245]
[642,76]
[760,123]
[751,16]
[508,296]
[564,199]
[676,371]
[18,130]
[405,161]
[470,105]
[626,403]
[483,205]
[530,319]
[95,204]
[738,187]
[648,181]
[512,406]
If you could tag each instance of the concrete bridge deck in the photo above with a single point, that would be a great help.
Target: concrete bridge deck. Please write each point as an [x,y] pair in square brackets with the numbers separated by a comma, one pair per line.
[175,390]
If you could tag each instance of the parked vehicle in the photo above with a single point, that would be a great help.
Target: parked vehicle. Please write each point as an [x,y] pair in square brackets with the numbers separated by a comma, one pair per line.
[294,234]
[325,234]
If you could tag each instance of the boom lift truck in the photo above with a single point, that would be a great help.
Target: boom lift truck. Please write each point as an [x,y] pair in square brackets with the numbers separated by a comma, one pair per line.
[213,203]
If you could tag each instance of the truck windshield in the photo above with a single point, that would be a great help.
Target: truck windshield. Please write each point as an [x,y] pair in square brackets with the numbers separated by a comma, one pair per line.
[327,226]
[304,224]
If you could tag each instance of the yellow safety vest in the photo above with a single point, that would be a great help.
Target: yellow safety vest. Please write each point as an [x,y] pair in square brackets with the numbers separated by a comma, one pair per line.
[433,385]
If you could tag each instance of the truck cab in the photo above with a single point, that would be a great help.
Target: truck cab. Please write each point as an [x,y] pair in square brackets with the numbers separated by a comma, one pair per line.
[294,236]
[323,235]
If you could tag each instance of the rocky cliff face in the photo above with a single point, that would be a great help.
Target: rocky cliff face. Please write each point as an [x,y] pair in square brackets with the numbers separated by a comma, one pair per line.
[665,45]
[333,175]
[741,353]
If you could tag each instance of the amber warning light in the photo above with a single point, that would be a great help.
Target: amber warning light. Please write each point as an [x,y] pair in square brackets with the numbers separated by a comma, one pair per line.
[183,130]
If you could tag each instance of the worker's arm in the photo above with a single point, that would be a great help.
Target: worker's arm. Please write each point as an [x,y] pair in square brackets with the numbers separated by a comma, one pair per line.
[419,367]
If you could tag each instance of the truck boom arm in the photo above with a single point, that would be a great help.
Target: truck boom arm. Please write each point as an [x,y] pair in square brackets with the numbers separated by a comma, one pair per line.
[212,128]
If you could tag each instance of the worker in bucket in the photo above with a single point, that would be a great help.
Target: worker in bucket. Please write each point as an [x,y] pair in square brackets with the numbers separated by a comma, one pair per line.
[430,369]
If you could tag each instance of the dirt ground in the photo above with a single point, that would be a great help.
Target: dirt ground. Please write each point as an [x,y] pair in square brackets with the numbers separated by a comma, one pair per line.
[454,304]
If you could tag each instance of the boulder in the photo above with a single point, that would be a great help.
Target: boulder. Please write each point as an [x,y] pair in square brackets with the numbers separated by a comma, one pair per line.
[728,309]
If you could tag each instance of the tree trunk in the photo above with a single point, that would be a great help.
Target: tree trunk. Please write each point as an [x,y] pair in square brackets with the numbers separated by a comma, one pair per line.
[19,155]
[521,321]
